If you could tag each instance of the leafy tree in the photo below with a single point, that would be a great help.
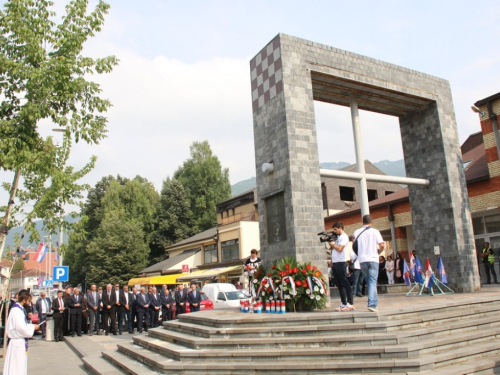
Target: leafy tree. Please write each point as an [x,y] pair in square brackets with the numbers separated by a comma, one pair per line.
[43,77]
[206,182]
[119,251]
[175,219]
[18,266]
[135,200]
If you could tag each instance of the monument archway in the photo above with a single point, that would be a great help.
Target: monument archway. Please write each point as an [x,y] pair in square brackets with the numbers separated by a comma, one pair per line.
[287,76]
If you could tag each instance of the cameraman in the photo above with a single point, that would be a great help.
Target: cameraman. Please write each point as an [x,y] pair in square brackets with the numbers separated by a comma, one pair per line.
[339,267]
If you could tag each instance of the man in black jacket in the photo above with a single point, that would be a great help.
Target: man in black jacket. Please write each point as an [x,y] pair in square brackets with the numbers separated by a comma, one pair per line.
[126,302]
[142,301]
[58,306]
[154,308]
[180,300]
[75,304]
[166,305]
[109,309]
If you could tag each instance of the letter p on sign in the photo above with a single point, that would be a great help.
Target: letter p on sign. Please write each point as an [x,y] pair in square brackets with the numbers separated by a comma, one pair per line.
[61,273]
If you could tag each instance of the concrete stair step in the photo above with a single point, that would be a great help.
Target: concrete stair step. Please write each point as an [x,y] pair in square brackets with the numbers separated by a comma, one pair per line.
[401,365]
[130,366]
[466,354]
[318,351]
[342,339]
[215,366]
[484,365]
[328,329]
[229,318]
[97,365]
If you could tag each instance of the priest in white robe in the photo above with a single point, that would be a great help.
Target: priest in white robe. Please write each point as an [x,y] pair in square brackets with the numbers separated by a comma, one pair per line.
[18,330]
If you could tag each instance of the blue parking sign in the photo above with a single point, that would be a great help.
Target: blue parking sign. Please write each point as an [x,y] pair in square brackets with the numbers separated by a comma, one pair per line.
[61,273]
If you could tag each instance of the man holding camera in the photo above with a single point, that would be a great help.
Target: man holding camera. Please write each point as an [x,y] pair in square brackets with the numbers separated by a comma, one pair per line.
[339,267]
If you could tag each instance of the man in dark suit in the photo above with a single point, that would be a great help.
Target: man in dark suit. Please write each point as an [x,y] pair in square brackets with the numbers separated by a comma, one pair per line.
[166,301]
[100,315]
[154,308]
[135,319]
[75,305]
[194,299]
[43,306]
[126,302]
[180,300]
[93,302]
[142,310]
[67,296]
[58,307]
[109,309]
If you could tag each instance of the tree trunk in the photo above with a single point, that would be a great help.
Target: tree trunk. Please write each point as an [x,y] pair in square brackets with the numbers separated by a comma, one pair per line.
[6,219]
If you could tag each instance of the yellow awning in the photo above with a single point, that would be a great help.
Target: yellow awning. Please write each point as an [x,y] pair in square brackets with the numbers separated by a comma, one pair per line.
[139,281]
[166,279]
[207,274]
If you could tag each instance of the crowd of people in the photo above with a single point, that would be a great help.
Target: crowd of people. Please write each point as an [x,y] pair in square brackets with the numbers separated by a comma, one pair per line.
[111,310]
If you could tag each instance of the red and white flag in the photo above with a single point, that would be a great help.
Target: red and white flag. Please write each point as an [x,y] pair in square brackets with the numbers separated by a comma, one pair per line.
[429,275]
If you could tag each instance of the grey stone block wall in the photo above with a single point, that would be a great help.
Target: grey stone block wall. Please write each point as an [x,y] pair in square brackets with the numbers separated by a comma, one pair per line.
[287,75]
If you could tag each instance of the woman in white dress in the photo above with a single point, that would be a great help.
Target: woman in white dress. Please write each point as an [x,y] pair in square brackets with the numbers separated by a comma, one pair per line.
[18,331]
[389,269]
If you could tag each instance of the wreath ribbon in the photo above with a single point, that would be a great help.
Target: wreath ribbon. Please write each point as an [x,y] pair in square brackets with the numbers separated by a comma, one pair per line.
[262,283]
[292,285]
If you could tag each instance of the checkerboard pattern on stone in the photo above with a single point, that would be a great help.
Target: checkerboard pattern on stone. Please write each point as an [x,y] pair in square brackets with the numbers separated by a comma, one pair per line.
[267,78]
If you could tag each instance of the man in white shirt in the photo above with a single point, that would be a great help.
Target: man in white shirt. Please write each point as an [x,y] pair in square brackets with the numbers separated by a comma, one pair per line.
[339,268]
[370,244]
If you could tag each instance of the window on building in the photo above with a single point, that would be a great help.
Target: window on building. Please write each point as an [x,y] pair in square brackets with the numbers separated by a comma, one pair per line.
[230,250]
[211,254]
[478,225]
[388,192]
[372,195]
[347,194]
[492,223]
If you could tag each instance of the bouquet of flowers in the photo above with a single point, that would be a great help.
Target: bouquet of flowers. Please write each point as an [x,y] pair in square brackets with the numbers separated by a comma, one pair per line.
[301,286]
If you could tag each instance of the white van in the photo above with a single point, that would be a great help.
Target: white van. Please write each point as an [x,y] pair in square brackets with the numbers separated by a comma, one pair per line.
[223,295]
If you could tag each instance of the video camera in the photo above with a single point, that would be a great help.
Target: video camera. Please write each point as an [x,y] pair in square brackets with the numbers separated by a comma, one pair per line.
[327,237]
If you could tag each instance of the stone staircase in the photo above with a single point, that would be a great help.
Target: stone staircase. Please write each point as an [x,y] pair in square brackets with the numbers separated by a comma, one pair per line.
[453,337]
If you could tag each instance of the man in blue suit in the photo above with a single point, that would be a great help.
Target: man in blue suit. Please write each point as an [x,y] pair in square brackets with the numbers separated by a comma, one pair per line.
[143,303]
[43,306]
[194,299]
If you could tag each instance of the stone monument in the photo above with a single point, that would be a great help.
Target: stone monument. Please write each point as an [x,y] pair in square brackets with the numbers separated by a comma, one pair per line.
[287,75]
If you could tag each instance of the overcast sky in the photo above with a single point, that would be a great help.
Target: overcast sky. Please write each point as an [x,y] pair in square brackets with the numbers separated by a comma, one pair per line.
[184,74]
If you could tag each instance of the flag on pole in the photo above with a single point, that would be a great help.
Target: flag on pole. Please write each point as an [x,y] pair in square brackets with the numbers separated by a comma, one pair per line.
[429,275]
[406,275]
[418,272]
[40,247]
[56,256]
[40,254]
[40,281]
[442,272]
[412,265]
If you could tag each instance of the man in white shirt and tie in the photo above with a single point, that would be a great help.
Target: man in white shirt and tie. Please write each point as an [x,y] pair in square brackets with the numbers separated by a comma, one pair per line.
[43,306]
[59,307]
